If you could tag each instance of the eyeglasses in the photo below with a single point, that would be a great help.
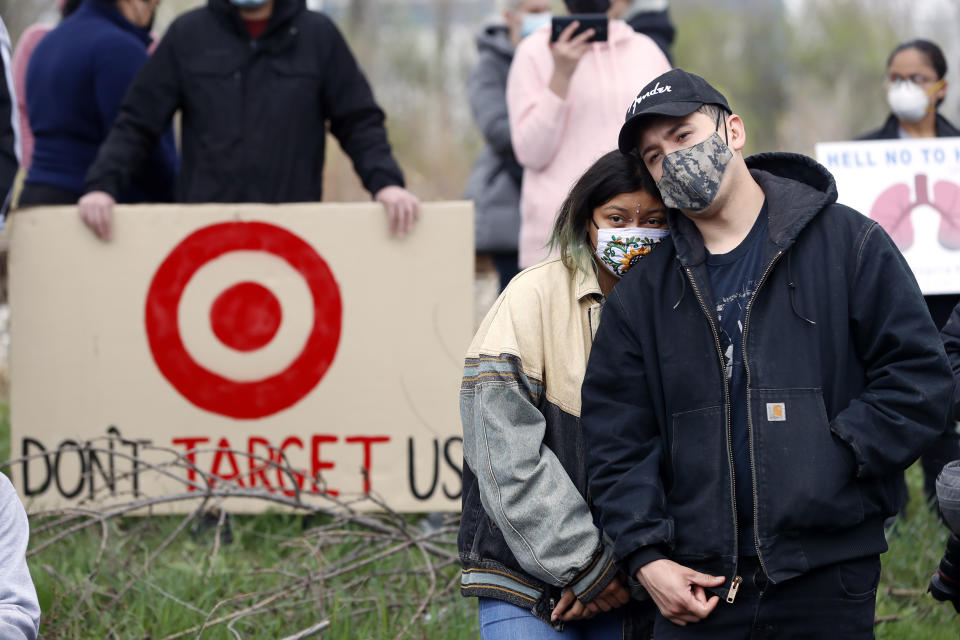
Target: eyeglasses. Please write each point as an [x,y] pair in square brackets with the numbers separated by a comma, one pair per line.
[917,78]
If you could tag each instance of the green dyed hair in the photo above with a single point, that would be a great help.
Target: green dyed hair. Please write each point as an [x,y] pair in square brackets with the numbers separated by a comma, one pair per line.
[614,173]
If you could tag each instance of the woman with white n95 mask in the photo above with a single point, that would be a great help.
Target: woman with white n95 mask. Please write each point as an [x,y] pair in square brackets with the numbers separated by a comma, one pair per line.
[916,86]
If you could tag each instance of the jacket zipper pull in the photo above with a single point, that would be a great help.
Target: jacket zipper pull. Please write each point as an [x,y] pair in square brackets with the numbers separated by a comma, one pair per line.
[734,587]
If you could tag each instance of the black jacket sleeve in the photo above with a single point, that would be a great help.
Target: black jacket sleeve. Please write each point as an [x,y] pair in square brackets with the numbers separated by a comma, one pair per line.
[144,117]
[905,404]
[9,124]
[951,341]
[355,118]
[656,25]
[623,443]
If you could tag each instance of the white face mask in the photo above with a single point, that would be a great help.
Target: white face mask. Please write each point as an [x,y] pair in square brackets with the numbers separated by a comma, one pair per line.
[533,21]
[908,101]
[620,249]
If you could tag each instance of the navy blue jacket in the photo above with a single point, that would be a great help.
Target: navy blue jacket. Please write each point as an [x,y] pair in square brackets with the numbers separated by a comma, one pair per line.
[254,111]
[76,81]
[847,382]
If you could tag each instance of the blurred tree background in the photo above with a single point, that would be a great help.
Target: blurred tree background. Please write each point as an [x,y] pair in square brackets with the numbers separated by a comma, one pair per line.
[806,71]
[798,71]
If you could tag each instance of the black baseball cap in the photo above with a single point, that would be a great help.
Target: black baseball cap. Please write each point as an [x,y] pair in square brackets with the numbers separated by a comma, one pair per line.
[674,93]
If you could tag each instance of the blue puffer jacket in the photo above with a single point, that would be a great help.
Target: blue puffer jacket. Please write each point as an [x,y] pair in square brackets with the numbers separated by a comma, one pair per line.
[847,382]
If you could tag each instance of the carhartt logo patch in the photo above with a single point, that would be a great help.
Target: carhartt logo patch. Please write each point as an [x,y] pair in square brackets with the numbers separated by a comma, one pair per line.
[776,412]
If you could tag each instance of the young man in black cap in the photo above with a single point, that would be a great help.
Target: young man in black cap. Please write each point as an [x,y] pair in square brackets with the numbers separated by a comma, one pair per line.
[754,391]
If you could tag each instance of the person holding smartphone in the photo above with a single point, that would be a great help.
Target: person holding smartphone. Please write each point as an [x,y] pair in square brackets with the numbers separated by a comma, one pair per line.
[564,100]
[494,182]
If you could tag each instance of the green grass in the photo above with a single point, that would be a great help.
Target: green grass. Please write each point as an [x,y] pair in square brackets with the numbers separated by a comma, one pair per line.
[76,601]
[917,543]
[77,592]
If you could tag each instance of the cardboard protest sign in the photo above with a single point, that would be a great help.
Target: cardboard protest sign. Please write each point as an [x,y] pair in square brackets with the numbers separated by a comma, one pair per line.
[912,189]
[301,332]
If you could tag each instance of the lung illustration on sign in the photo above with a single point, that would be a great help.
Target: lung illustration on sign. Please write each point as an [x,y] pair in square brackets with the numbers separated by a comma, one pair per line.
[893,206]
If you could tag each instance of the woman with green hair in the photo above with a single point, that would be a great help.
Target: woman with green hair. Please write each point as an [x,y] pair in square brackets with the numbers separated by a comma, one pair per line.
[530,549]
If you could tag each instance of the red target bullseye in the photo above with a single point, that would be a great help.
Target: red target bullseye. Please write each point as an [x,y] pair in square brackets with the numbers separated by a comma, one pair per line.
[244,317]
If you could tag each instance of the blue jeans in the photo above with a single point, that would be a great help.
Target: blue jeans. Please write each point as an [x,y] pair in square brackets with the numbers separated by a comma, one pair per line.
[501,620]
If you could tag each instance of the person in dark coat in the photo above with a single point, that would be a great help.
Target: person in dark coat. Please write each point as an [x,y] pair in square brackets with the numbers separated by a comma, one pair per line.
[9,125]
[76,80]
[916,82]
[756,388]
[494,182]
[652,18]
[951,342]
[257,83]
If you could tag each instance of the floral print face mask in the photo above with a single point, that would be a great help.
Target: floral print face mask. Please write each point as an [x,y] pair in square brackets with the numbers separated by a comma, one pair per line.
[620,249]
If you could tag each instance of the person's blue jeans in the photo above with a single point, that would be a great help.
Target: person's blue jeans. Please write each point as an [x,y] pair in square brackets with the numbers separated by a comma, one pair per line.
[501,620]
[836,601]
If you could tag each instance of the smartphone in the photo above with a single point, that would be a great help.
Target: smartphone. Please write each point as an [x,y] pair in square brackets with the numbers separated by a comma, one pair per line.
[595,21]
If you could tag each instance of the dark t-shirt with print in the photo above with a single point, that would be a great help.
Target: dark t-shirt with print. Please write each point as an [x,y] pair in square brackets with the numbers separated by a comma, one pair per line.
[733,279]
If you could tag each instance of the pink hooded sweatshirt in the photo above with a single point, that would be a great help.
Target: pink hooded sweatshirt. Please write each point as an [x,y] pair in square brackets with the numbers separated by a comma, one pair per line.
[21,60]
[555,139]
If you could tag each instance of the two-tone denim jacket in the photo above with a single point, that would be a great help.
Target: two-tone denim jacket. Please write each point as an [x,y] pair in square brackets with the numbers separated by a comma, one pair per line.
[527,530]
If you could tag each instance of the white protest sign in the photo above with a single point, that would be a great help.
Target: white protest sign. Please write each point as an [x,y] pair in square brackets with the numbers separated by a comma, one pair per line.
[297,332]
[912,189]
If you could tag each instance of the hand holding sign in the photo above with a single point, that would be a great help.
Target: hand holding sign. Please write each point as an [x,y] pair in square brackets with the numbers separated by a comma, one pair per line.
[96,211]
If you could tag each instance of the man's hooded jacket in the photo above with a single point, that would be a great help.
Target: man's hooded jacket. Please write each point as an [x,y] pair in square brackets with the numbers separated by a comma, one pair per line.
[847,382]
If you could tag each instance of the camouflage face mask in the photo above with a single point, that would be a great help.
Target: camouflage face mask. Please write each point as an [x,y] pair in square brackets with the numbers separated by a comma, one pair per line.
[691,176]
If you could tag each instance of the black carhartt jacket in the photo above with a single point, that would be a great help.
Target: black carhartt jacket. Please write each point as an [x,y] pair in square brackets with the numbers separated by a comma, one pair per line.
[847,382]
[254,112]
[951,342]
